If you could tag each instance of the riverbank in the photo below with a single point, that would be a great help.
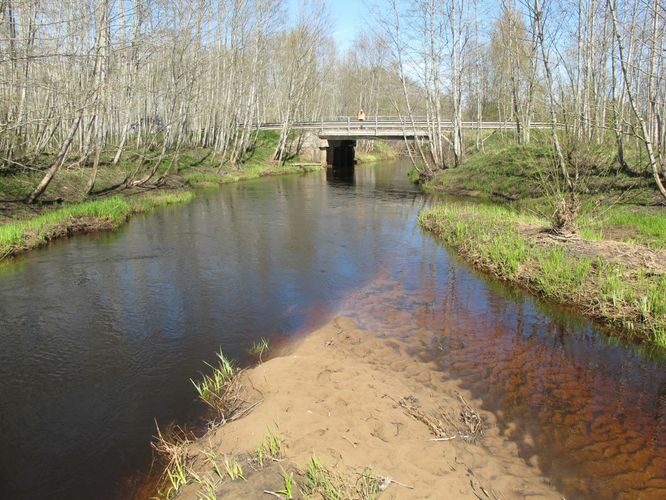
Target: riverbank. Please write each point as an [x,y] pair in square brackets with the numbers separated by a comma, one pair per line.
[622,284]
[67,210]
[381,151]
[78,218]
[612,270]
[345,414]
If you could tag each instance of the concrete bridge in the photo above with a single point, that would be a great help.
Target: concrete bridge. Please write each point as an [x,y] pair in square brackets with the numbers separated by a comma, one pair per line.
[339,135]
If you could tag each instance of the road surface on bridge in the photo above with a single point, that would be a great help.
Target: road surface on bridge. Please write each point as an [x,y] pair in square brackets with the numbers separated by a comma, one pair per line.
[348,128]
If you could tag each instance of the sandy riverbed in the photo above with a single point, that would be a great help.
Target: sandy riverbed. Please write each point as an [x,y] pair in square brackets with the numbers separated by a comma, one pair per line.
[336,394]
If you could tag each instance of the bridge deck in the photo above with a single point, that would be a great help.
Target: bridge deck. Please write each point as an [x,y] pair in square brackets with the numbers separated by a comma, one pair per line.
[386,128]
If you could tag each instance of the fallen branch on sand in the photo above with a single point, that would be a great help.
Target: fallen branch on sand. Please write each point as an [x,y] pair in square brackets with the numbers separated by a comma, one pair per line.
[468,425]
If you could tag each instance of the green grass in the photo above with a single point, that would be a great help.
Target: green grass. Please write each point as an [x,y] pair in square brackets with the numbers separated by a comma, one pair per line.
[15,237]
[272,447]
[146,203]
[212,388]
[108,213]
[644,225]
[259,348]
[172,449]
[381,151]
[258,162]
[319,481]
[177,477]
[234,469]
[488,236]
[199,179]
[287,485]
[198,167]
[561,275]
[509,170]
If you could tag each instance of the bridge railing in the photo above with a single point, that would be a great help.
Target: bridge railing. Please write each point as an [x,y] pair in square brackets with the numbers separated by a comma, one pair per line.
[351,124]
[343,120]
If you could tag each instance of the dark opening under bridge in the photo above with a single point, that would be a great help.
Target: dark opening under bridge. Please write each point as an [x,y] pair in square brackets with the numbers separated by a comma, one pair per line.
[338,135]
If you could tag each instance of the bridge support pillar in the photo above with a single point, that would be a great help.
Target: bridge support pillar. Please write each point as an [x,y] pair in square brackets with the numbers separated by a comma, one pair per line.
[323,152]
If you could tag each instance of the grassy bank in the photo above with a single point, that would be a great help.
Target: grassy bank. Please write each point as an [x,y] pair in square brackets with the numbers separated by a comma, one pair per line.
[68,210]
[257,163]
[91,216]
[381,151]
[504,170]
[625,292]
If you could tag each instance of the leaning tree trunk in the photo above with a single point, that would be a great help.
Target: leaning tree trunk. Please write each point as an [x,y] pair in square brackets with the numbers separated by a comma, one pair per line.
[60,159]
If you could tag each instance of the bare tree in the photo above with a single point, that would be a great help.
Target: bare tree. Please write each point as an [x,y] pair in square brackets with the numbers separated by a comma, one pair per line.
[645,136]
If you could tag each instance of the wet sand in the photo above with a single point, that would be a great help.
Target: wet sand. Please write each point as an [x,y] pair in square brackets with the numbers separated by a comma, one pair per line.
[335,394]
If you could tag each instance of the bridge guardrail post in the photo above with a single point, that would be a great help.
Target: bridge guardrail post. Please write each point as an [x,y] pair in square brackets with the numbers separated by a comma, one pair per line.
[348,126]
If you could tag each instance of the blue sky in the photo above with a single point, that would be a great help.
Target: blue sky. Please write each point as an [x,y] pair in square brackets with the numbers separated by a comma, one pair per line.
[346,17]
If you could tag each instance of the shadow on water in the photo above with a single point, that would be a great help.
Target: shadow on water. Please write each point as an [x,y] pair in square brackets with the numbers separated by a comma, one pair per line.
[101,334]
[340,176]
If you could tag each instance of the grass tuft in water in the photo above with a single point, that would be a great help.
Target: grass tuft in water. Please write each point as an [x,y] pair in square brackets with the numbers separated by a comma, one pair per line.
[172,448]
[221,388]
[259,348]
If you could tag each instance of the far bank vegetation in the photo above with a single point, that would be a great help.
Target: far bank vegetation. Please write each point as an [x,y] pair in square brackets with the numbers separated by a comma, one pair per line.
[138,84]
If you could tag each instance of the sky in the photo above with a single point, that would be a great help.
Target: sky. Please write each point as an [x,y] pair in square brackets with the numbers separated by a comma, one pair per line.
[347,19]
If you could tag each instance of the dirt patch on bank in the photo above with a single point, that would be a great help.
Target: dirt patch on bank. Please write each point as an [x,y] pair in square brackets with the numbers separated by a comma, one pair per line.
[622,285]
[630,255]
[367,410]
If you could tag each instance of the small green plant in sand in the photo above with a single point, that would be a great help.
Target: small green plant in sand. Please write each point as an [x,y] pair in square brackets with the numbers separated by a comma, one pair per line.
[287,485]
[368,485]
[234,469]
[208,490]
[221,389]
[211,457]
[320,481]
[272,447]
[274,444]
[260,454]
[259,348]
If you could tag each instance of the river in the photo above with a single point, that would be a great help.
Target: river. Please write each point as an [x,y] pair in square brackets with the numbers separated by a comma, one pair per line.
[101,334]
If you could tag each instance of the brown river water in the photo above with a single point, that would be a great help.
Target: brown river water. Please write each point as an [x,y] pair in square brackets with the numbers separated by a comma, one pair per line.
[99,335]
